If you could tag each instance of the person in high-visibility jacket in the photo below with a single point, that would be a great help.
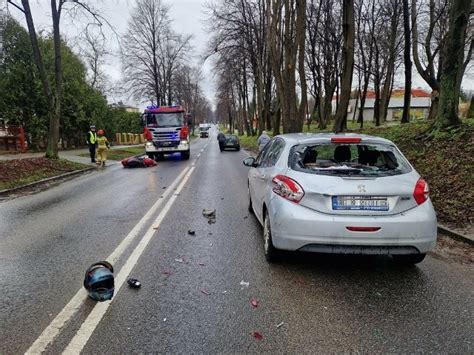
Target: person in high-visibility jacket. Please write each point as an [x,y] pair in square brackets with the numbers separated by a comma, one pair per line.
[92,142]
[102,147]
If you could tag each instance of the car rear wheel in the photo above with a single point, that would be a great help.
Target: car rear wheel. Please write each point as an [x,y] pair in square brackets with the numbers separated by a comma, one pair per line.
[409,259]
[151,156]
[238,148]
[271,253]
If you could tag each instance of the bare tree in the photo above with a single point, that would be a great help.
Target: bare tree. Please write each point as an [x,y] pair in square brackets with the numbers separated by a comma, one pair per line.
[286,41]
[348,64]
[141,50]
[453,64]
[93,50]
[407,62]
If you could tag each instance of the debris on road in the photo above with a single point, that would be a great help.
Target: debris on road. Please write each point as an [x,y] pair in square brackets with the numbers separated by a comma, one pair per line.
[205,291]
[134,283]
[179,260]
[246,217]
[257,335]
[279,325]
[191,232]
[210,215]
[201,264]
[244,284]
[99,281]
[164,319]
[254,302]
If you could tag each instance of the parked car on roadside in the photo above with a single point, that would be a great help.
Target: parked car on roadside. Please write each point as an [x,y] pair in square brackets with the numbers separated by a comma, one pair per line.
[231,142]
[340,193]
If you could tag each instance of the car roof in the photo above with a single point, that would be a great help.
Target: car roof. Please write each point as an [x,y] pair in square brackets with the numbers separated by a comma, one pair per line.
[308,138]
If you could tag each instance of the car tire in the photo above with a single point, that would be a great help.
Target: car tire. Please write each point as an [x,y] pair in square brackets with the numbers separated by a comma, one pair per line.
[151,155]
[411,259]
[250,206]
[185,155]
[238,148]
[271,253]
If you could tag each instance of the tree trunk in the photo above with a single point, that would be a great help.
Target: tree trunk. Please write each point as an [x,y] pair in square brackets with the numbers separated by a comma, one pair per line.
[452,66]
[348,54]
[407,61]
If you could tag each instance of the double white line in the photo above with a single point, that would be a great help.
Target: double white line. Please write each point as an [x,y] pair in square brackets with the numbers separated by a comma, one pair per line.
[83,334]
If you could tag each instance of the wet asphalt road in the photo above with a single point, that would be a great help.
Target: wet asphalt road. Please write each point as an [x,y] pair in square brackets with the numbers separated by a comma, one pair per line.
[326,304]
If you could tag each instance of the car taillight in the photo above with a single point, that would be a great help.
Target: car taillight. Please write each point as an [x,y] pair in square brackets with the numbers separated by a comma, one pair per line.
[287,188]
[147,134]
[183,134]
[421,192]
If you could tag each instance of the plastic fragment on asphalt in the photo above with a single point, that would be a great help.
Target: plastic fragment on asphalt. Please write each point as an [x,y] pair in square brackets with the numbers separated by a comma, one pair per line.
[206,292]
[244,284]
[179,260]
[201,264]
[191,232]
[209,213]
[164,319]
[254,302]
[134,283]
[257,335]
[279,325]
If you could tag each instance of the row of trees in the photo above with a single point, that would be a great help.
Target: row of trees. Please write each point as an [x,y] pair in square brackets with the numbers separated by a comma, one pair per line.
[23,102]
[56,93]
[271,55]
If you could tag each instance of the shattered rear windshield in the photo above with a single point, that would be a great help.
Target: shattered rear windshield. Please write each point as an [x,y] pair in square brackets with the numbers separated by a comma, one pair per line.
[369,159]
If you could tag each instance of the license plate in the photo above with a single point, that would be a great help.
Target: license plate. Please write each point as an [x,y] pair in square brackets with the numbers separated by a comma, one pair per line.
[360,203]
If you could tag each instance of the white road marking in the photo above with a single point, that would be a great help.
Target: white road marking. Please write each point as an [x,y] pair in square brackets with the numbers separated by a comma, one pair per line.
[54,328]
[87,328]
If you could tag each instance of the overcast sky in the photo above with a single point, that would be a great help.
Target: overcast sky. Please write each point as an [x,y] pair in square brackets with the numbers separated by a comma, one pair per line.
[187,17]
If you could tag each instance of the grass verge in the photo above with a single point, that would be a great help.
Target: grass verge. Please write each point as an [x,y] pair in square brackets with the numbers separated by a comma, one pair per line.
[119,154]
[18,172]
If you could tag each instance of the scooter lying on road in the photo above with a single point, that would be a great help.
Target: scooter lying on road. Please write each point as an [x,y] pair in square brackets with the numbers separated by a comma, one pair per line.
[138,161]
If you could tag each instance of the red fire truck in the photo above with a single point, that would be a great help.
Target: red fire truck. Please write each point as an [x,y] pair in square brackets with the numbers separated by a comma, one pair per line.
[166,131]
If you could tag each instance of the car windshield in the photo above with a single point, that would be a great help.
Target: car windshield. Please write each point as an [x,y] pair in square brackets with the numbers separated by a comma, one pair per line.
[171,119]
[230,137]
[363,159]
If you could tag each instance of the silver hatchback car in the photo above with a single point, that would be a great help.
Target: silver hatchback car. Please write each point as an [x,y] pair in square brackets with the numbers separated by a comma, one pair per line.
[340,193]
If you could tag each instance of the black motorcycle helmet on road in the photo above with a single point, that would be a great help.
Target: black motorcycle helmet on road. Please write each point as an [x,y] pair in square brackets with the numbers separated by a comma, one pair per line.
[99,281]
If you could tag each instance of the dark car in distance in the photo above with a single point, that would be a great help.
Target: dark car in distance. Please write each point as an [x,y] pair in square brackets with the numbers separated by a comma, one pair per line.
[231,142]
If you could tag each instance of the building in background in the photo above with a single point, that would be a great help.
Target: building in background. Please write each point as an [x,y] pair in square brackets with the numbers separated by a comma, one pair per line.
[419,105]
[120,105]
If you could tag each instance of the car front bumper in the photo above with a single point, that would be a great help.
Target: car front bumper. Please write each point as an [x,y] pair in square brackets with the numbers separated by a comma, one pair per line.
[295,227]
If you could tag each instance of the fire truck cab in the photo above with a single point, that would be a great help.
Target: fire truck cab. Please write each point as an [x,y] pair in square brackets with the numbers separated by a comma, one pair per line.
[166,131]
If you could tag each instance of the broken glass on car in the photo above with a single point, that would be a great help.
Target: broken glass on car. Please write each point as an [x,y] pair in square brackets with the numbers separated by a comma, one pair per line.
[364,159]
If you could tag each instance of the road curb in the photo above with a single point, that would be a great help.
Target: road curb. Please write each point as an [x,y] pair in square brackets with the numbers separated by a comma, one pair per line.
[39,182]
[455,235]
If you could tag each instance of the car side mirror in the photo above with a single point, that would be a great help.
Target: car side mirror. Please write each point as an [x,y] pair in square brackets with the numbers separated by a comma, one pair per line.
[250,162]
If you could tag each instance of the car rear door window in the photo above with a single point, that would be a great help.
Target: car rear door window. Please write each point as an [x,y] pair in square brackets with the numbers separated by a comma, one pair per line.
[263,154]
[274,153]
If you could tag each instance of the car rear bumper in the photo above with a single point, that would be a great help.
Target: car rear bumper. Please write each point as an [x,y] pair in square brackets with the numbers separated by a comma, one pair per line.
[295,227]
